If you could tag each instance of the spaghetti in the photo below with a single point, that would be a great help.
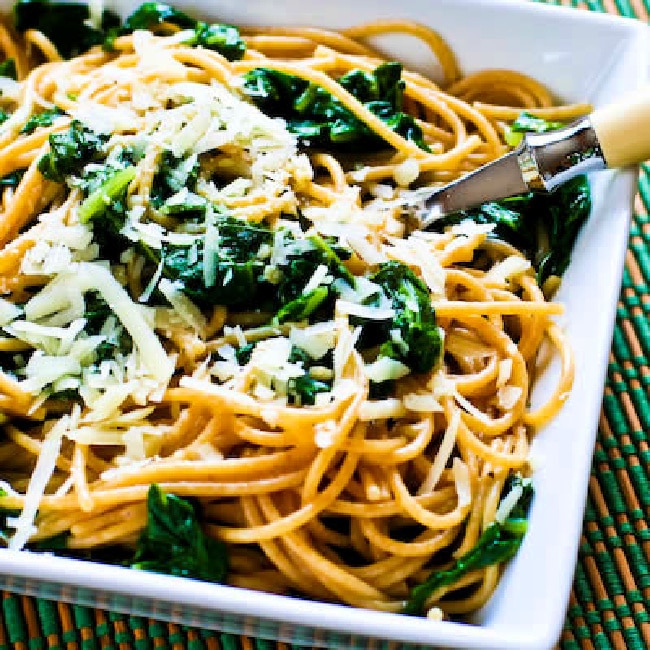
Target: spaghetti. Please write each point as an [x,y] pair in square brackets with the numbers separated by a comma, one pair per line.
[200,298]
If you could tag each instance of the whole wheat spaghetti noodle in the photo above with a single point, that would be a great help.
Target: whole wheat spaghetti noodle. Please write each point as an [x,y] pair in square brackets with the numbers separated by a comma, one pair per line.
[196,296]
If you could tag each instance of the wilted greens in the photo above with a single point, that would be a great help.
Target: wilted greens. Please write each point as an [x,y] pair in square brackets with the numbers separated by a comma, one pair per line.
[70,152]
[174,543]
[224,39]
[44,118]
[413,337]
[498,543]
[8,69]
[321,120]
[66,24]
[544,227]
[70,27]
[527,123]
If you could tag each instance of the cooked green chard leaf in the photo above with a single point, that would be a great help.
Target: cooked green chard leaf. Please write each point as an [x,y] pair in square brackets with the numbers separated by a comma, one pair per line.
[303,257]
[236,280]
[174,542]
[70,152]
[303,390]
[239,280]
[4,116]
[8,69]
[543,226]
[96,313]
[237,268]
[243,354]
[321,120]
[5,533]
[66,24]
[12,179]
[172,176]
[498,543]
[303,307]
[224,39]
[236,276]
[526,122]
[306,388]
[45,118]
[412,336]
[331,259]
[113,189]
[153,14]
[104,187]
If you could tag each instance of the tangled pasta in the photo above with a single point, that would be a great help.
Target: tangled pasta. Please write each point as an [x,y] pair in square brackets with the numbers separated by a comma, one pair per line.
[209,286]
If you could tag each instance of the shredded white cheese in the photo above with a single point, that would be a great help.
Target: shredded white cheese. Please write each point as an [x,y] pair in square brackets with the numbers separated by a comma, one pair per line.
[187,311]
[45,464]
[100,279]
[509,501]
[506,270]
[386,369]
[442,457]
[316,340]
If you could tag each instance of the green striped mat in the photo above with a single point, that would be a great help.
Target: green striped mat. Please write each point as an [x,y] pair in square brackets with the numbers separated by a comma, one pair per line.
[610,599]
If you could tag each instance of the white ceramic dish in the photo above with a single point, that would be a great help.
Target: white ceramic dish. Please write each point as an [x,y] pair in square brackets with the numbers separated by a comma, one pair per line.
[581,56]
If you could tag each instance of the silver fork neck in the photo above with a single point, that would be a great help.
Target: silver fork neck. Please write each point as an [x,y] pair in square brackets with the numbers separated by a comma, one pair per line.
[549,159]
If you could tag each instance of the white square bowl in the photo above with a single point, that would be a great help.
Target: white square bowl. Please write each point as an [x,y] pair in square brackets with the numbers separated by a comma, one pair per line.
[581,56]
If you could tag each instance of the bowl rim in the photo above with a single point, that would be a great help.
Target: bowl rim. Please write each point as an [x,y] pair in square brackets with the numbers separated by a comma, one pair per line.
[94,584]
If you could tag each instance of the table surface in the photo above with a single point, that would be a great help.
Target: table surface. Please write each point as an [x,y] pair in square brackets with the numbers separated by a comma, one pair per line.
[609,604]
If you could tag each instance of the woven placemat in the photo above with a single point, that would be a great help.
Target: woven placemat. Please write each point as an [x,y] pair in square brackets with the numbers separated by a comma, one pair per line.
[610,600]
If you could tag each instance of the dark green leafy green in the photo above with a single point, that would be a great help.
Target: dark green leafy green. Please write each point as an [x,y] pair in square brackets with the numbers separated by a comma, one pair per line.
[8,69]
[526,122]
[70,152]
[45,118]
[4,116]
[13,178]
[174,542]
[153,14]
[328,256]
[236,273]
[303,257]
[498,543]
[302,390]
[412,336]
[117,340]
[320,119]
[113,190]
[224,39]
[305,389]
[243,354]
[5,532]
[238,270]
[104,188]
[239,280]
[66,24]
[302,307]
[172,176]
[543,226]
[236,280]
